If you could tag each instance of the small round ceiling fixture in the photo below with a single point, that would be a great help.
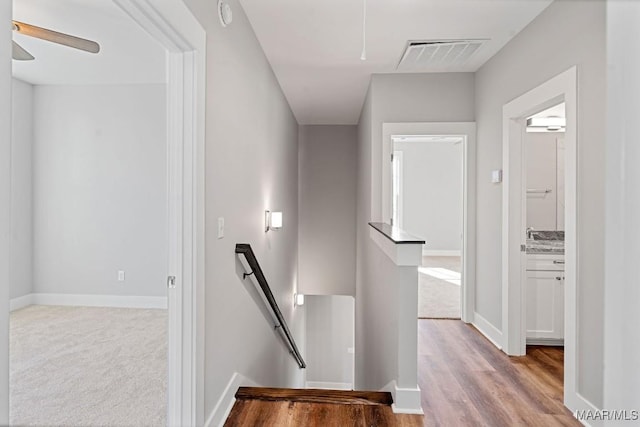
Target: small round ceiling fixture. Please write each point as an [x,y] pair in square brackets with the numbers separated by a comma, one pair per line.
[224,12]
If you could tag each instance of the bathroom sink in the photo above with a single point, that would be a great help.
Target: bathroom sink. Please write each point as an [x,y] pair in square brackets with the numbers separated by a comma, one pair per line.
[547,235]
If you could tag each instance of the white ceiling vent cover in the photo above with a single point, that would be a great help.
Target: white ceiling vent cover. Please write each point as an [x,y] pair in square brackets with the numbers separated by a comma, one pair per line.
[438,53]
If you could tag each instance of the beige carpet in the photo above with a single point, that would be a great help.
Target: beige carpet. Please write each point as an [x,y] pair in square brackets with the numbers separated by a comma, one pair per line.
[88,366]
[439,288]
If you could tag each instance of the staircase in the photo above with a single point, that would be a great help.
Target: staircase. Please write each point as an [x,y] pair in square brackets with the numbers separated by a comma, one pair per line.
[312,407]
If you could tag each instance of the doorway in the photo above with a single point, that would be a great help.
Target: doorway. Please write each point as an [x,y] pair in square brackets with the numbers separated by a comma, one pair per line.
[173,25]
[461,135]
[427,198]
[558,90]
[544,220]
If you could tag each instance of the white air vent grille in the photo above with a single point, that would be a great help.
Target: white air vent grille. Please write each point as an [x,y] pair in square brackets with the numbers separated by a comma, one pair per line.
[438,54]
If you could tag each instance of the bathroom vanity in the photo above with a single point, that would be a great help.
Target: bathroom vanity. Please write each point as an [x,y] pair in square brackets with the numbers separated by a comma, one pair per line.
[545,289]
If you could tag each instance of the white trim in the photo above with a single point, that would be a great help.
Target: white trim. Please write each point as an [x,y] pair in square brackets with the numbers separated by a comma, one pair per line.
[398,159]
[467,130]
[549,342]
[560,88]
[406,254]
[325,385]
[490,332]
[119,301]
[175,27]
[582,404]
[438,252]
[405,400]
[223,407]
[20,302]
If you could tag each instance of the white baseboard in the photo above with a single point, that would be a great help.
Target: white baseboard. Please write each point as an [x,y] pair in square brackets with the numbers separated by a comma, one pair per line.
[579,403]
[492,333]
[440,252]
[324,385]
[223,407]
[20,302]
[405,400]
[118,301]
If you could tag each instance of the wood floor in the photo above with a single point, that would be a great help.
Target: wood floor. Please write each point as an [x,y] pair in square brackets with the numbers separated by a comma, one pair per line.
[465,381]
[315,408]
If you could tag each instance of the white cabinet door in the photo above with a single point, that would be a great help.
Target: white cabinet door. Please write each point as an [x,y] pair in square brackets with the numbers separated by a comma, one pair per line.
[545,304]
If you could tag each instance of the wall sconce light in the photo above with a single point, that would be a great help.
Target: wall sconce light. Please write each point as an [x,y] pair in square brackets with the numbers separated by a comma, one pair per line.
[272,220]
[298,300]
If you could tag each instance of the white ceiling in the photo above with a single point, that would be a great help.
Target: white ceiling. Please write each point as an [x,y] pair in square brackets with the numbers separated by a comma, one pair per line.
[314,45]
[128,55]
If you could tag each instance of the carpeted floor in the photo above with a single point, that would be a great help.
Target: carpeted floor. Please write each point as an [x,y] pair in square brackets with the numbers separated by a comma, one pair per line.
[439,288]
[88,366]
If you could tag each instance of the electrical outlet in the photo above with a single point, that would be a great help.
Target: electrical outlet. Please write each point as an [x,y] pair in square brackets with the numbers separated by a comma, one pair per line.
[120,276]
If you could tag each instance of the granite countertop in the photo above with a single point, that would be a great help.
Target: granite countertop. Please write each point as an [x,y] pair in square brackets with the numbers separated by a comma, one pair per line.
[546,242]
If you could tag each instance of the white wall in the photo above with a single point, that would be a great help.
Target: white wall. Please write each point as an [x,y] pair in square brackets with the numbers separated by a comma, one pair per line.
[543,164]
[99,189]
[327,210]
[21,282]
[251,166]
[567,33]
[5,206]
[432,193]
[329,335]
[391,98]
[622,293]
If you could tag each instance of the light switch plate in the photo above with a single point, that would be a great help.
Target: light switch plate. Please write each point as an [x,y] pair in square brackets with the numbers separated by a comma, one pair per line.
[220,228]
[496,176]
[120,276]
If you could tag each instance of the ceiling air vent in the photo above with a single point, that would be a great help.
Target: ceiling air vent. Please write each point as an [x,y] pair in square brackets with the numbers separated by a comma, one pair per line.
[438,53]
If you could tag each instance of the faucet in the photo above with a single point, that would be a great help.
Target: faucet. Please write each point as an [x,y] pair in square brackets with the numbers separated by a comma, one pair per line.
[529,232]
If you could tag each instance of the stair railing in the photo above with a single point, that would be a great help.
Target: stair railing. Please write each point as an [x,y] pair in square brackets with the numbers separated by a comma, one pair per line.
[254,269]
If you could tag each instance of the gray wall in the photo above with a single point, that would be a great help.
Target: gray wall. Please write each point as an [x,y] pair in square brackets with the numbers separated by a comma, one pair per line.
[622,293]
[251,166]
[21,189]
[432,192]
[329,335]
[5,206]
[433,97]
[99,189]
[391,98]
[567,33]
[327,203]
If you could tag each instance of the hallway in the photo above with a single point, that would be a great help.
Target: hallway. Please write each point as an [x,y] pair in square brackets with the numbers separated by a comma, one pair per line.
[466,381]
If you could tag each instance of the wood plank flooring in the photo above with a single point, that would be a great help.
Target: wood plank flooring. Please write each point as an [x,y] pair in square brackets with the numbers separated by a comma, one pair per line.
[465,381]
[312,407]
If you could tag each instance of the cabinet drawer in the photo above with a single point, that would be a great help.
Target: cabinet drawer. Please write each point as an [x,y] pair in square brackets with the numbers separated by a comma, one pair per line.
[545,263]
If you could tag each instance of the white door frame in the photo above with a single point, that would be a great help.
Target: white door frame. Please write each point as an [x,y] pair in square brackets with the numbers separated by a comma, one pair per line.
[562,88]
[398,158]
[172,24]
[466,130]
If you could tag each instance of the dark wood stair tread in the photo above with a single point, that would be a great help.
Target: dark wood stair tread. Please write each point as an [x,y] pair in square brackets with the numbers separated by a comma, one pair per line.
[341,397]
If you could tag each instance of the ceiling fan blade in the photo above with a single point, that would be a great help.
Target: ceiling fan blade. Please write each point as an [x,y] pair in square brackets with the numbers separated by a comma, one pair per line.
[19,54]
[56,37]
